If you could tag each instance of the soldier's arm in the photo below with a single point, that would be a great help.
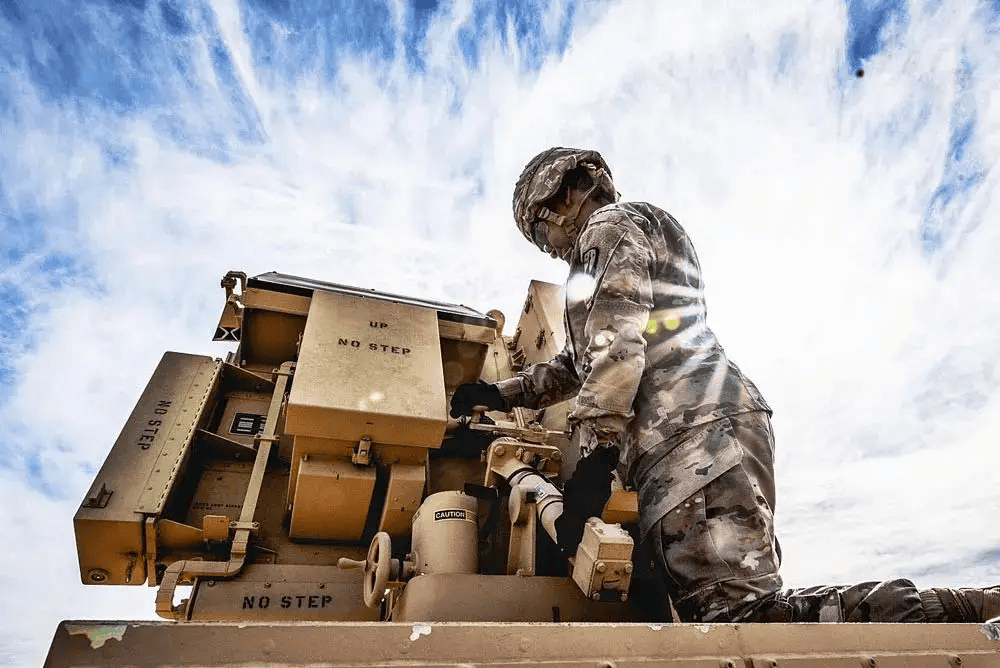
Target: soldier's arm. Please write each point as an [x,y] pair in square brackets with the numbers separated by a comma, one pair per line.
[619,311]
[543,384]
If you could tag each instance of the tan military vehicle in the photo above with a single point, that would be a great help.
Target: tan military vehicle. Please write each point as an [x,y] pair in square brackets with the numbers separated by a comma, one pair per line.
[308,502]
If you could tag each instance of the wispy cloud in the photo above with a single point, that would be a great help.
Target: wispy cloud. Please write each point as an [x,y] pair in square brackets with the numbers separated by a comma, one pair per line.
[846,225]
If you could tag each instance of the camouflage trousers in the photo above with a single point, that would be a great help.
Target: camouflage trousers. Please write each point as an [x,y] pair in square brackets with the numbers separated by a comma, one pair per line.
[721,556]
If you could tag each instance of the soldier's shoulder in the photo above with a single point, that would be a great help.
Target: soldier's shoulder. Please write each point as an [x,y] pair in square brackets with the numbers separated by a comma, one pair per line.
[635,218]
[635,212]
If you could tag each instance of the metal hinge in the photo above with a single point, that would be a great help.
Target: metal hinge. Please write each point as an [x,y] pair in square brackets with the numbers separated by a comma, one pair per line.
[362,453]
[99,500]
[540,339]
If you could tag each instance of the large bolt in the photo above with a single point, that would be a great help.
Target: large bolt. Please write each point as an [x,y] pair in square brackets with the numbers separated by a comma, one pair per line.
[628,568]
[499,451]
[97,575]
[624,596]
[596,596]
[557,456]
[601,567]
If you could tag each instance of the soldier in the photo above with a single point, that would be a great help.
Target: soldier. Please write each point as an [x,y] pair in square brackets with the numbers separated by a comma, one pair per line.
[657,398]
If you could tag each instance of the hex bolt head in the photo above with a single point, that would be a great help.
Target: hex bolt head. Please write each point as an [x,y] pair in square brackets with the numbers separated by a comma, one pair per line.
[955,661]
[601,567]
[596,596]
[628,568]
[500,451]
[624,596]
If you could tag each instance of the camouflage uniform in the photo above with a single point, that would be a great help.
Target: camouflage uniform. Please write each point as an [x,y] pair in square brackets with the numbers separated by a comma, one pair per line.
[694,433]
[645,367]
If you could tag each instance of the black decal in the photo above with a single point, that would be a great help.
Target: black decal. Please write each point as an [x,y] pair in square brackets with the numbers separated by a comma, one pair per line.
[263,602]
[326,599]
[342,342]
[372,346]
[590,262]
[313,601]
[286,601]
[248,602]
[247,424]
[155,423]
[406,351]
[355,344]
[450,514]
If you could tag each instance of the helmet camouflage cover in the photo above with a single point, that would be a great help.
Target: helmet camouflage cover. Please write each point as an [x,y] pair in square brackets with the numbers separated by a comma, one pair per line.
[542,177]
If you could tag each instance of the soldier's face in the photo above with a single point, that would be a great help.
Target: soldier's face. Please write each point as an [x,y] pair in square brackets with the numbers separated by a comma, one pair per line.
[560,243]
[551,239]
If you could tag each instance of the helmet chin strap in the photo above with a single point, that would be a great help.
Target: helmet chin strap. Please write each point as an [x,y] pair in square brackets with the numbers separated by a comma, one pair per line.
[567,221]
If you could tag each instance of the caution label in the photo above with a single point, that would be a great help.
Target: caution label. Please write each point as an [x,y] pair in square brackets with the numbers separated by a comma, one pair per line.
[454,514]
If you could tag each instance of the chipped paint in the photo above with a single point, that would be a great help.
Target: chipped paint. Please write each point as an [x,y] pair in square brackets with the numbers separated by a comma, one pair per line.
[992,630]
[656,627]
[420,630]
[704,628]
[97,635]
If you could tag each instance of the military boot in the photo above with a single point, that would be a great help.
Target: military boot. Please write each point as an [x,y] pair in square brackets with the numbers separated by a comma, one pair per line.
[961,605]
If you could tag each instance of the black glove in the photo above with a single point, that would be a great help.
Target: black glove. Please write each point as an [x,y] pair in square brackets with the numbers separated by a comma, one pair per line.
[470,395]
[585,495]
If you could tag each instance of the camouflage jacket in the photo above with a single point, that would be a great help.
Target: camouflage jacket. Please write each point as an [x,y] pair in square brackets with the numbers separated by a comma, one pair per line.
[639,355]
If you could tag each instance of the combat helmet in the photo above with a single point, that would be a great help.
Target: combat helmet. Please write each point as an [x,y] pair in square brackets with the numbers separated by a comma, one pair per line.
[541,179]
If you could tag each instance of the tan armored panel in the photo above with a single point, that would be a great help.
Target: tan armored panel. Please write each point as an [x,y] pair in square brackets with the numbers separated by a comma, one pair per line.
[140,471]
[540,332]
[368,368]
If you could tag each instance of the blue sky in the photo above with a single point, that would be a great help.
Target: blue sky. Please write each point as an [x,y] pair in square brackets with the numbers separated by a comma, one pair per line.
[846,225]
[133,58]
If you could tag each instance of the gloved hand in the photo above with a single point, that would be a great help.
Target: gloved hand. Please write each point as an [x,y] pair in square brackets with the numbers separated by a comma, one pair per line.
[585,495]
[470,395]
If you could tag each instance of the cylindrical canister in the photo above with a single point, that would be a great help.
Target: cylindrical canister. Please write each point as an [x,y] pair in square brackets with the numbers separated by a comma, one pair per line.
[446,534]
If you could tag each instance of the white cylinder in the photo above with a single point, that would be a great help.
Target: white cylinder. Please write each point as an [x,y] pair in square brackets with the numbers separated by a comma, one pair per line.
[446,534]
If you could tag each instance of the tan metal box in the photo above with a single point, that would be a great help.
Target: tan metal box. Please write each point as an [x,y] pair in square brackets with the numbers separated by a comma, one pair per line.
[369,368]
[331,500]
[603,563]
